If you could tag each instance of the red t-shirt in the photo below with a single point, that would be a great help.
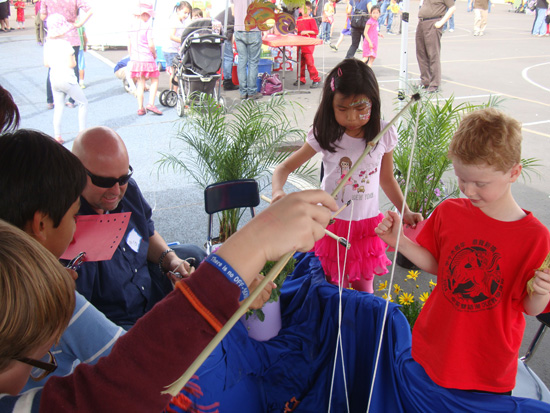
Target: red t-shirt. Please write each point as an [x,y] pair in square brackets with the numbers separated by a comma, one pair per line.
[303,25]
[469,333]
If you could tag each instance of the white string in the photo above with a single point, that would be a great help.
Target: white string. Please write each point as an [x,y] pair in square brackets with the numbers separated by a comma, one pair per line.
[400,226]
[339,345]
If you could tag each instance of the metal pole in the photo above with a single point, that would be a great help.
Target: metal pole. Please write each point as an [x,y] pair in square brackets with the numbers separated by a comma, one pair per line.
[403,65]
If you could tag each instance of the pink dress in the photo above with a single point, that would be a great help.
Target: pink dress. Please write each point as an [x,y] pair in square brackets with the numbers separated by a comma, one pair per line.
[142,62]
[373,36]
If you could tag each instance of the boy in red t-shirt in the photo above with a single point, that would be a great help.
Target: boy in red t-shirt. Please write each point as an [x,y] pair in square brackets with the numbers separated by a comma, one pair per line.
[306,26]
[484,249]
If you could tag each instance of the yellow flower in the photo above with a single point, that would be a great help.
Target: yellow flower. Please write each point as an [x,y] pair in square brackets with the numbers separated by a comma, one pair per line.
[424,296]
[383,286]
[385,297]
[432,284]
[406,299]
[413,275]
[396,288]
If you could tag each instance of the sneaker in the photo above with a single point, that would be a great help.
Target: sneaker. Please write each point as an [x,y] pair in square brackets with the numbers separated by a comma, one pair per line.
[154,109]
[70,104]
[141,112]
[359,51]
[333,47]
[296,83]
[82,85]
[451,30]
[315,85]
[228,85]
[243,97]
[256,96]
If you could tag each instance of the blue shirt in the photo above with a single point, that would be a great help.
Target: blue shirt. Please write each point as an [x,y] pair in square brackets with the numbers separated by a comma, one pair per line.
[122,288]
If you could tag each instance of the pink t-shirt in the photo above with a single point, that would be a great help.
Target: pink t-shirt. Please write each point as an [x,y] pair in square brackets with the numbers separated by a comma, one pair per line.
[69,10]
[364,185]
[139,34]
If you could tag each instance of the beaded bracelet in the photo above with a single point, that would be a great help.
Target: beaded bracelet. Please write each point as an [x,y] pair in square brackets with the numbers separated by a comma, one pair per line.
[229,273]
[161,259]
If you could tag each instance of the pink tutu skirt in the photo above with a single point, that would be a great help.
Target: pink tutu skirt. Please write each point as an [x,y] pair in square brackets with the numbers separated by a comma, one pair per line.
[366,257]
[146,69]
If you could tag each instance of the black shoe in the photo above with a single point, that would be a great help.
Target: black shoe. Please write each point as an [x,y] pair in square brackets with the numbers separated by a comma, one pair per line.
[296,83]
[228,85]
[315,85]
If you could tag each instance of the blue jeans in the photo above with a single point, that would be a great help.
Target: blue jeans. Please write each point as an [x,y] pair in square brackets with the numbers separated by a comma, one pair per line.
[324,33]
[451,23]
[227,65]
[539,27]
[383,15]
[249,48]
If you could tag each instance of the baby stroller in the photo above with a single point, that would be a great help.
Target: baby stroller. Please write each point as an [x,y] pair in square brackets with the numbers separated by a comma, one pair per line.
[196,70]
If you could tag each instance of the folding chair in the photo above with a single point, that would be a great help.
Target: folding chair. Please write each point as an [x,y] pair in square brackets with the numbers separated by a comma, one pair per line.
[243,193]
[544,324]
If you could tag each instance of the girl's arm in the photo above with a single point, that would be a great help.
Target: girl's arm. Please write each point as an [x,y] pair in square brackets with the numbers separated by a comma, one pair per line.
[151,44]
[289,165]
[365,34]
[173,36]
[393,191]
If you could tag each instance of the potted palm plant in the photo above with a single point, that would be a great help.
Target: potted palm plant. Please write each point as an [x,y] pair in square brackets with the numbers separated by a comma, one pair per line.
[214,145]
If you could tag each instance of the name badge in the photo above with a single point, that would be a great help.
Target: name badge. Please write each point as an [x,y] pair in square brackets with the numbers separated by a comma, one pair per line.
[133,240]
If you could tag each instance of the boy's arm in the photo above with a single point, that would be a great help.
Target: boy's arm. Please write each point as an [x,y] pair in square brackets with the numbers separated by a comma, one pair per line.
[387,231]
[535,302]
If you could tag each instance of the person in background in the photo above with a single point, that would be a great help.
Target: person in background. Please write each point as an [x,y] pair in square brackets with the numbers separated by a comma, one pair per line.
[81,62]
[541,12]
[39,24]
[326,22]
[196,13]
[371,34]
[5,16]
[20,19]
[357,33]
[227,65]
[306,26]
[480,16]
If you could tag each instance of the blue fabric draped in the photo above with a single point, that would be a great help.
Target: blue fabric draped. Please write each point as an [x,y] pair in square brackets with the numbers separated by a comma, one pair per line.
[294,369]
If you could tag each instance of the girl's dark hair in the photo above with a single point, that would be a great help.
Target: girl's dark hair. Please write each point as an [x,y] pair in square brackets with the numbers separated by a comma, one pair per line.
[182,5]
[9,113]
[377,7]
[351,77]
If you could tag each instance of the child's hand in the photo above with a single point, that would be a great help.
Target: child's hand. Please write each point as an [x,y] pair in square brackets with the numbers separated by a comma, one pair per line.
[380,35]
[276,195]
[412,218]
[387,229]
[264,295]
[541,282]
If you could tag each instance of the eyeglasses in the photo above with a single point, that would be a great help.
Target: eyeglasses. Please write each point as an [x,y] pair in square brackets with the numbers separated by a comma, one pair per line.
[106,182]
[41,368]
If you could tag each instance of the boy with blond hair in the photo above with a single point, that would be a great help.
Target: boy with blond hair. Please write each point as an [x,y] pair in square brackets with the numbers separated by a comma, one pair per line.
[484,249]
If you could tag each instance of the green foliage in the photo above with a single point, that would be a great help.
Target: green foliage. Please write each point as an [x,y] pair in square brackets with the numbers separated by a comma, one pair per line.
[214,146]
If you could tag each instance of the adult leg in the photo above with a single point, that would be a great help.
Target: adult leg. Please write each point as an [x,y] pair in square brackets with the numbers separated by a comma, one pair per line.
[242,51]
[49,94]
[538,28]
[76,92]
[383,13]
[433,48]
[59,100]
[422,55]
[76,68]
[483,22]
[477,22]
[255,50]
[355,39]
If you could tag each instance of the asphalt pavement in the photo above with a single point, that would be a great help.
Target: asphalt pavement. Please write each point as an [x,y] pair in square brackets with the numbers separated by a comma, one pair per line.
[507,62]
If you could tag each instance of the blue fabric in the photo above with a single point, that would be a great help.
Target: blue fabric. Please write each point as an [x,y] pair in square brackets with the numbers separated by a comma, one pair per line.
[121,288]
[296,365]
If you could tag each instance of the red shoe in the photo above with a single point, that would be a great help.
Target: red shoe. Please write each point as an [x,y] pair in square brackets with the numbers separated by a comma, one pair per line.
[154,109]
[141,112]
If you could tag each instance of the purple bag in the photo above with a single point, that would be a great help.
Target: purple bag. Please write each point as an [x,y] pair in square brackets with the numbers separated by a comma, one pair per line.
[271,84]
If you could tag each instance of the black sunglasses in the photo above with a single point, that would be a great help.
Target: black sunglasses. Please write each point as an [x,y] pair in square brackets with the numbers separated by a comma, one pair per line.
[105,182]
[41,368]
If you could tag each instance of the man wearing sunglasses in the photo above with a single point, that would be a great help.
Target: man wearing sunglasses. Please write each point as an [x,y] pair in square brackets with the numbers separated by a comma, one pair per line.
[129,284]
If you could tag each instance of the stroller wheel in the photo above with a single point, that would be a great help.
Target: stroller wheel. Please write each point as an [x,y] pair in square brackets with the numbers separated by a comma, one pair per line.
[180,107]
[163,96]
[171,99]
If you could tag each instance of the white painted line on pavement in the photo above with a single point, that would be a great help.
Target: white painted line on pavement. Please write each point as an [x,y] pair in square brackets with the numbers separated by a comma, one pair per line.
[103,59]
[536,123]
[526,77]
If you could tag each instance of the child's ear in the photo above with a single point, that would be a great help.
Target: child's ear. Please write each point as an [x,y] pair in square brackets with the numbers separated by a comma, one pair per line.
[515,172]
[37,226]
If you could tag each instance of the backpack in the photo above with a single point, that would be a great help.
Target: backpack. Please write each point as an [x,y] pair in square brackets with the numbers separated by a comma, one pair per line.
[359,17]
[532,5]
[271,84]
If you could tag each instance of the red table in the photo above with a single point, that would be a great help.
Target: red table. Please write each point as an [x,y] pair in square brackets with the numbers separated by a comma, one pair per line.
[290,40]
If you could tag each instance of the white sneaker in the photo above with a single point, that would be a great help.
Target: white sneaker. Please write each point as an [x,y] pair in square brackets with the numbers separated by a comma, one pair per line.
[451,30]
[82,85]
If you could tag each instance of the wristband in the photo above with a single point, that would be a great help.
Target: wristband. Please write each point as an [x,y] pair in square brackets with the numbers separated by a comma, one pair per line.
[232,275]
[161,259]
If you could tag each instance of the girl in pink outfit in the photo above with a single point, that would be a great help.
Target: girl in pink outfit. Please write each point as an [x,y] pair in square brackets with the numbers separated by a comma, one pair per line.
[143,57]
[371,34]
[348,119]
